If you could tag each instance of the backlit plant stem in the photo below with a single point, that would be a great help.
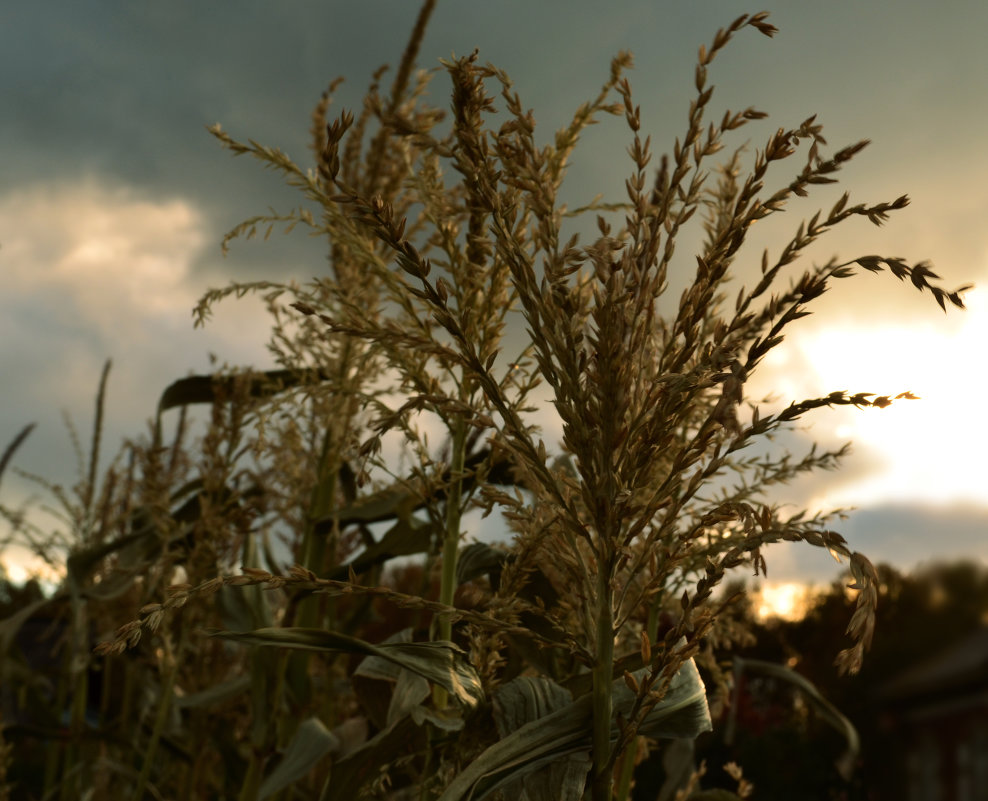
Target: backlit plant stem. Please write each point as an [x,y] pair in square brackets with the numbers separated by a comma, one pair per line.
[627,771]
[451,543]
[161,718]
[602,688]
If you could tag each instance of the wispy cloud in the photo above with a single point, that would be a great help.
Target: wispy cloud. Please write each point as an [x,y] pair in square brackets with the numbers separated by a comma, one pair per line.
[111,259]
[93,271]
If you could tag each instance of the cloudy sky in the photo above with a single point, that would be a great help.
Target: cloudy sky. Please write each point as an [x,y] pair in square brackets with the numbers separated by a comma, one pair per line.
[114,198]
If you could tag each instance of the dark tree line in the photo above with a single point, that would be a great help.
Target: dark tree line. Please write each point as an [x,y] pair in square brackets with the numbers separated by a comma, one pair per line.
[784,746]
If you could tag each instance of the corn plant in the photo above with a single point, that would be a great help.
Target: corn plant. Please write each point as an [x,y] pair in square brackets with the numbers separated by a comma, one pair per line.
[457,297]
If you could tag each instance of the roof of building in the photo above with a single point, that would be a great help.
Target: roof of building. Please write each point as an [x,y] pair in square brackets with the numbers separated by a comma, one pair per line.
[962,667]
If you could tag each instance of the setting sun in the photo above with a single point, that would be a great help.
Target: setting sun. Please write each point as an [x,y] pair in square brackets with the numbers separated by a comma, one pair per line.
[788,601]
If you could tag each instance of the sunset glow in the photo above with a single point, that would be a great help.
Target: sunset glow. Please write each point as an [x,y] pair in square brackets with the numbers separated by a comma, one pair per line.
[20,566]
[929,450]
[787,601]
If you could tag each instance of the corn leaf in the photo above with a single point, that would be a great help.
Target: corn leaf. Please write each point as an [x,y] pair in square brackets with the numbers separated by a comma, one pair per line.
[554,736]
[827,711]
[443,663]
[521,701]
[207,388]
[312,742]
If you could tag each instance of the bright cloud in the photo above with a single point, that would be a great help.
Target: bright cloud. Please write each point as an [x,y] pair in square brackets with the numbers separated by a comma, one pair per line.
[90,272]
[93,271]
[118,256]
[930,450]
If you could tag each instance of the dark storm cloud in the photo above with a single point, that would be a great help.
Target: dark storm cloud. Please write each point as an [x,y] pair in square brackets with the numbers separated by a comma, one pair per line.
[124,90]
[902,535]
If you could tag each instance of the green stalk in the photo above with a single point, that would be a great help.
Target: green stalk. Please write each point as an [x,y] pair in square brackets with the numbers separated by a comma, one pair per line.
[54,751]
[627,771]
[451,543]
[248,790]
[77,720]
[164,706]
[602,688]
[321,505]
[74,685]
[310,610]
[292,668]
[268,674]
[652,624]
